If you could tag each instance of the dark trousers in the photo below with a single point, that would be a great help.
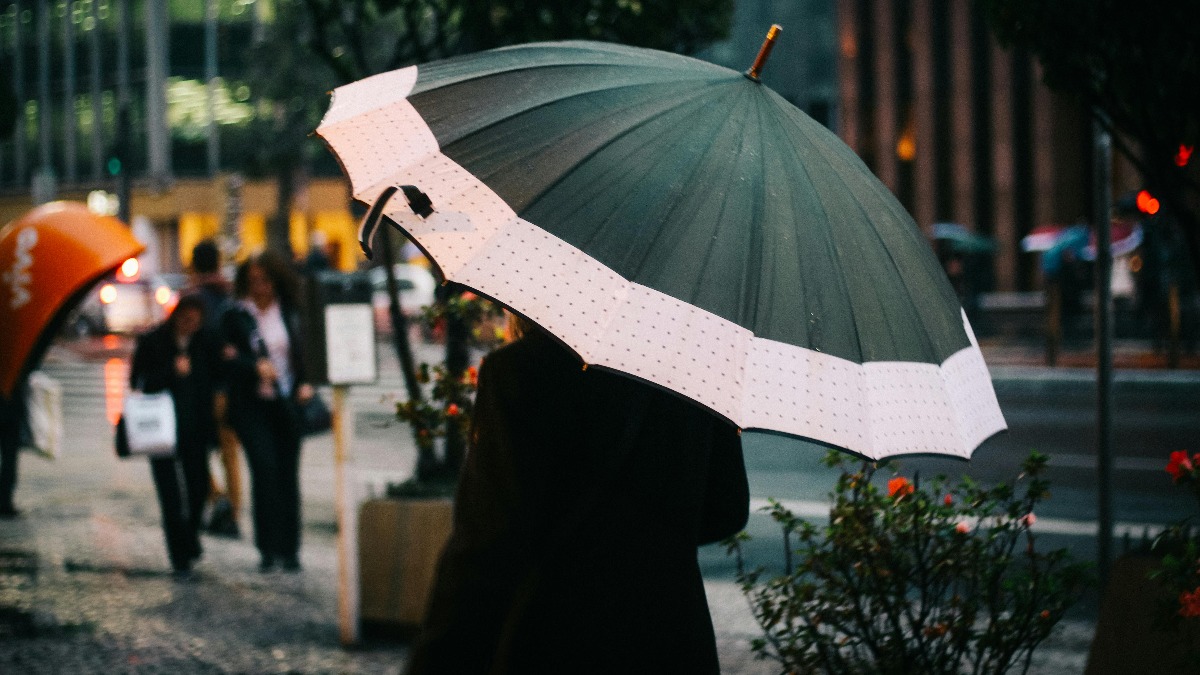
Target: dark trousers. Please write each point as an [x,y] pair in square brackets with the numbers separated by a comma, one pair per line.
[182,486]
[10,446]
[271,440]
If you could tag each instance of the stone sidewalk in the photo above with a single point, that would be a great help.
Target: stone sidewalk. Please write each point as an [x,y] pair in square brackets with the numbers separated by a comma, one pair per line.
[85,585]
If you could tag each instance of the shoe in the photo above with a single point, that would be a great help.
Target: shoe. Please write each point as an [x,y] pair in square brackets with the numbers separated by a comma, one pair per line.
[9,511]
[291,564]
[267,564]
[183,573]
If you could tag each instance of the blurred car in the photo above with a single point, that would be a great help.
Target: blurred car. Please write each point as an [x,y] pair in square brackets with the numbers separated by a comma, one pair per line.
[416,286]
[124,303]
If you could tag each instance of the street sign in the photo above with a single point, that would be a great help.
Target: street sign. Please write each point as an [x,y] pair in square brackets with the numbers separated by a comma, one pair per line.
[350,344]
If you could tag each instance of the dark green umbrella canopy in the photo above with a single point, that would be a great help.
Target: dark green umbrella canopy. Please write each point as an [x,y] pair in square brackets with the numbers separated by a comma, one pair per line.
[694,180]
[682,223]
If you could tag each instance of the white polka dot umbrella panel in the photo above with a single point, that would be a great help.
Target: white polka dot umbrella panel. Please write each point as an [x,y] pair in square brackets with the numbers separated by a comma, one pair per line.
[683,224]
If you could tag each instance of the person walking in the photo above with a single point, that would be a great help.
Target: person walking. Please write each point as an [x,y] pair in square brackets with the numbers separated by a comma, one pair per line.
[216,291]
[180,356]
[12,420]
[580,506]
[266,387]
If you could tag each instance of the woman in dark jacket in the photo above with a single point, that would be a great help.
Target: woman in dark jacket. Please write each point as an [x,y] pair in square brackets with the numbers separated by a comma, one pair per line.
[581,503]
[266,384]
[180,356]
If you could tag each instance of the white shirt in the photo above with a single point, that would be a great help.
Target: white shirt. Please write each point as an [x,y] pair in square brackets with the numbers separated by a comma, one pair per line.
[274,335]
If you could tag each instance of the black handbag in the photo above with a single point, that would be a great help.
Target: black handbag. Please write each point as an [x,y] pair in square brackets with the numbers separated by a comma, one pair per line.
[314,415]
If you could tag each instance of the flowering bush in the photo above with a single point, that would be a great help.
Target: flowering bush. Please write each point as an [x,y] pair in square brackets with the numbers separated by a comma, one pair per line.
[1180,548]
[444,417]
[912,579]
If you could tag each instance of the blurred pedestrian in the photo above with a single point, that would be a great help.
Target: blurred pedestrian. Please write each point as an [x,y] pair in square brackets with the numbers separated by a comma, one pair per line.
[317,260]
[267,386]
[180,356]
[12,420]
[579,510]
[225,505]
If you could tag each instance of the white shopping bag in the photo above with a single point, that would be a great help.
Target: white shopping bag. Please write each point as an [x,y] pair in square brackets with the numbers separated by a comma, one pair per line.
[149,421]
[45,414]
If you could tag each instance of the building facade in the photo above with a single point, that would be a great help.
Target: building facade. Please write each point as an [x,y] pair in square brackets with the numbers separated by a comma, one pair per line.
[961,129]
[152,90]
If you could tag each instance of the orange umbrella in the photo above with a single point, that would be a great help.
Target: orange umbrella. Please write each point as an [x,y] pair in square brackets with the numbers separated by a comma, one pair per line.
[49,258]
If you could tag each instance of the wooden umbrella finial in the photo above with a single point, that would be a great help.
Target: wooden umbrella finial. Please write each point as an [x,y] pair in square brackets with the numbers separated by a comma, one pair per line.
[764,52]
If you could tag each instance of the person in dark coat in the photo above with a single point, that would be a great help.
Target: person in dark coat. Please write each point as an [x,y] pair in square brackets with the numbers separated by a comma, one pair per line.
[579,510]
[217,293]
[180,356]
[266,385]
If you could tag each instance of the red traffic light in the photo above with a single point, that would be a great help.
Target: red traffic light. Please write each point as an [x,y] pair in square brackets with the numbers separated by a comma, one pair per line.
[1184,154]
[1146,203]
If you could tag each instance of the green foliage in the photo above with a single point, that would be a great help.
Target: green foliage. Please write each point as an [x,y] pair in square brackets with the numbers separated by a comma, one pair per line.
[912,579]
[444,416]
[357,38]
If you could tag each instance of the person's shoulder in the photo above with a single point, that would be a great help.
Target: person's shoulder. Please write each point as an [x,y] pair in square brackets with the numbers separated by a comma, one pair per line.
[534,352]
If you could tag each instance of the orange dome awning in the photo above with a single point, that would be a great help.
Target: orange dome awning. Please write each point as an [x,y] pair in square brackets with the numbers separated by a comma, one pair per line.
[48,258]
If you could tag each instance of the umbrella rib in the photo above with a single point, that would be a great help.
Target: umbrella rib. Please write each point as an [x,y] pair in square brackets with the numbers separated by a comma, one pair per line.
[608,143]
[828,239]
[857,198]
[674,207]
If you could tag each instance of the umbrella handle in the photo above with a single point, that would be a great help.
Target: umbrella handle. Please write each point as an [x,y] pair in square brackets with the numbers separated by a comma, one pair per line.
[418,201]
[764,52]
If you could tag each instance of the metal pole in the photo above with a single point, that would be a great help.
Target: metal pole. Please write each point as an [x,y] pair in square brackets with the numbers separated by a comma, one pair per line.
[123,134]
[43,84]
[1102,188]
[210,80]
[158,143]
[70,116]
[95,65]
[19,144]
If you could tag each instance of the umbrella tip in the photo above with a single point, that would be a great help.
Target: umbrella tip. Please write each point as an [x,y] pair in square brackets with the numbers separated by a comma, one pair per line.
[764,52]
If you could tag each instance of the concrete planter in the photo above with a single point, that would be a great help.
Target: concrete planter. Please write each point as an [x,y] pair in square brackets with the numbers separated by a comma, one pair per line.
[1126,640]
[399,542]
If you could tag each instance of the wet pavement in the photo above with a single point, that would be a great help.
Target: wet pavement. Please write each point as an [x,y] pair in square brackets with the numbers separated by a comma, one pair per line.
[85,586]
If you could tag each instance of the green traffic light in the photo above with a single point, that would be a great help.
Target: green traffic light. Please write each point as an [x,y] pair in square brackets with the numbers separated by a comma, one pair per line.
[114,166]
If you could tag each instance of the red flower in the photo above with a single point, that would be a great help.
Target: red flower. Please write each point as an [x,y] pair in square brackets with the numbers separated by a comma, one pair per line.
[472,375]
[468,295]
[1045,614]
[949,500]
[899,487]
[452,410]
[1179,466]
[962,528]
[1028,520]
[1189,603]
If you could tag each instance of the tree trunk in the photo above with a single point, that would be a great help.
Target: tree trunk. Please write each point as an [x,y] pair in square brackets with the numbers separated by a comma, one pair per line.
[279,227]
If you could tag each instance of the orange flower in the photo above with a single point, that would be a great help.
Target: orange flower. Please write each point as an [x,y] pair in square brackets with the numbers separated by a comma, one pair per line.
[1028,520]
[472,375]
[1179,465]
[899,487]
[452,410]
[962,528]
[1045,614]
[1189,603]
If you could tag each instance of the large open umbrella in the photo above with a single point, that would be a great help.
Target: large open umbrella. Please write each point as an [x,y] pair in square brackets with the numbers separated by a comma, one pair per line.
[682,223]
[49,257]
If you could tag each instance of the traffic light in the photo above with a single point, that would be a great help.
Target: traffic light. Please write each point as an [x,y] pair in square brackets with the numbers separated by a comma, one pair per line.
[1146,203]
